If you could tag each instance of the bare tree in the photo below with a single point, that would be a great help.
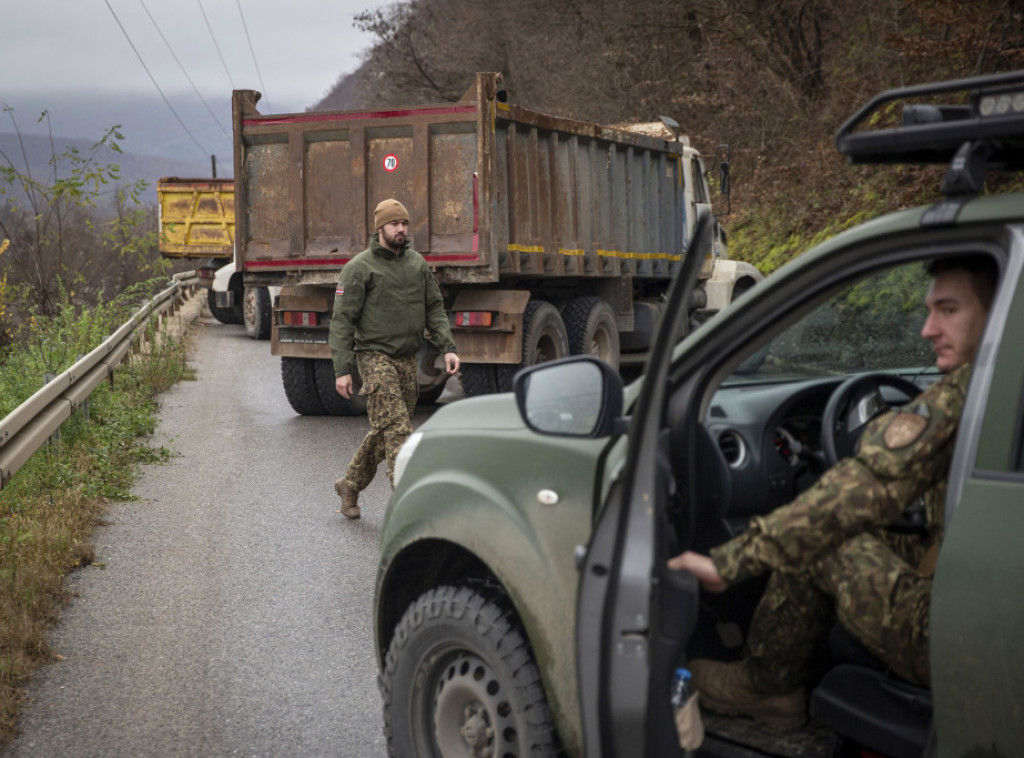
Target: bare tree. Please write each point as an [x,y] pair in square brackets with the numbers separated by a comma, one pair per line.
[62,242]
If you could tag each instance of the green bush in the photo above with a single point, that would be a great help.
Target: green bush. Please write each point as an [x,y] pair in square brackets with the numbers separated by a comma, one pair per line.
[50,506]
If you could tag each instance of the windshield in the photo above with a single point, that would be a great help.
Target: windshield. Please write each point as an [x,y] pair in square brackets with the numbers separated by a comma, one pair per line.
[873,325]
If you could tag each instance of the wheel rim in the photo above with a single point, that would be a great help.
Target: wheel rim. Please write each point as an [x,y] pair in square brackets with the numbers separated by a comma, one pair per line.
[601,346]
[249,306]
[472,712]
[547,349]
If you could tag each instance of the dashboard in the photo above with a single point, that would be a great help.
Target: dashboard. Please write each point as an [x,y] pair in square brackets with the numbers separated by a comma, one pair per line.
[769,435]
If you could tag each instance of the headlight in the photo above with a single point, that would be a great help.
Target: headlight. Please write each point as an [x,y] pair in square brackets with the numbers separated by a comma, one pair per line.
[405,453]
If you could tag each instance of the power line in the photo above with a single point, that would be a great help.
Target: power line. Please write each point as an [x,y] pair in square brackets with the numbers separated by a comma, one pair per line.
[176,60]
[214,38]
[251,50]
[168,102]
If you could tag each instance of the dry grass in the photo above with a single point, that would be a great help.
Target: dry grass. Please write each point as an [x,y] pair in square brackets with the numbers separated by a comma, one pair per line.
[50,508]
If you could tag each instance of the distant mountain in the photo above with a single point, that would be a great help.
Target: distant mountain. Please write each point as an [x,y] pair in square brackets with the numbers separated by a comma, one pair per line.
[348,93]
[149,126]
[36,149]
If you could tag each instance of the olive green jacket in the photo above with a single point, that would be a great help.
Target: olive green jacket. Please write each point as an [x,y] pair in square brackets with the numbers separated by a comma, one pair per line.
[903,455]
[384,302]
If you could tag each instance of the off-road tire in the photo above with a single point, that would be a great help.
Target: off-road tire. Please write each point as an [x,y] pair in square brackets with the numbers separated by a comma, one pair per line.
[299,380]
[334,404]
[256,312]
[459,670]
[478,379]
[544,339]
[590,326]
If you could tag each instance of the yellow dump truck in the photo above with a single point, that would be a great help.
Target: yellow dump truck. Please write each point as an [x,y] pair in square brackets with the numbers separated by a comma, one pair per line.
[197,221]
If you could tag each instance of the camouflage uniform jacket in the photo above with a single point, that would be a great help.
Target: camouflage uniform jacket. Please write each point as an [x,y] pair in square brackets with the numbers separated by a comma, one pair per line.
[383,302]
[903,454]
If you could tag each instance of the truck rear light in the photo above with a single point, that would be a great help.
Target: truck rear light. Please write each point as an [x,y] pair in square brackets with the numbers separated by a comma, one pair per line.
[300,318]
[473,318]
[206,273]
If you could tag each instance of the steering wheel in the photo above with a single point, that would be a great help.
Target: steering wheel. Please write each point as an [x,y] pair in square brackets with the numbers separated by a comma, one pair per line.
[851,406]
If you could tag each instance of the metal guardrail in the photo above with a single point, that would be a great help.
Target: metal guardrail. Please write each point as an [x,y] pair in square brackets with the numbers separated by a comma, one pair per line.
[25,429]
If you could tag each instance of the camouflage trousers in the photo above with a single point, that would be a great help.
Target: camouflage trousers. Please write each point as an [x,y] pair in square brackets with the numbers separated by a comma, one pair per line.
[391,391]
[878,597]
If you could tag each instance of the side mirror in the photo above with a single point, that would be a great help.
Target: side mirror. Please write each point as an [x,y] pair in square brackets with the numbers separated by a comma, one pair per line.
[723,155]
[723,177]
[579,396]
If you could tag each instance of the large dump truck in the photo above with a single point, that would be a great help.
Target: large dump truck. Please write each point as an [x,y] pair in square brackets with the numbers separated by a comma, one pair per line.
[547,236]
[197,221]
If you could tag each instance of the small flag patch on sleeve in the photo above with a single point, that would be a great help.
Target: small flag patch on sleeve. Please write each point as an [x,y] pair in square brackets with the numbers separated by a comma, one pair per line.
[340,291]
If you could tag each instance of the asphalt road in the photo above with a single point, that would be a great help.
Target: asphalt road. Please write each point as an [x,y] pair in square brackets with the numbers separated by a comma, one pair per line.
[229,612]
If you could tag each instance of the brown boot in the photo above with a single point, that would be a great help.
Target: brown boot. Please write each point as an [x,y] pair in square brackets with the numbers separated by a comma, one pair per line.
[349,498]
[727,688]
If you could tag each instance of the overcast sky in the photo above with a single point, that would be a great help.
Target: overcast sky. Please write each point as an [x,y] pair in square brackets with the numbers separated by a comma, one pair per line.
[299,49]
[300,46]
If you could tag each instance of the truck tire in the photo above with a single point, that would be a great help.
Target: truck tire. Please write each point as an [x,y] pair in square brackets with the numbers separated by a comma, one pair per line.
[256,312]
[460,679]
[430,378]
[333,403]
[590,325]
[544,339]
[430,396]
[299,380]
[478,379]
[223,315]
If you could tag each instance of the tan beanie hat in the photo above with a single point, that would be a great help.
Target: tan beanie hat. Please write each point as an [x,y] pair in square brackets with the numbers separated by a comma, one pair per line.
[387,211]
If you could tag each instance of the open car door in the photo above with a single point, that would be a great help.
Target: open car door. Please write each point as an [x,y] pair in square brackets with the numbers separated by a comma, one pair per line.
[635,616]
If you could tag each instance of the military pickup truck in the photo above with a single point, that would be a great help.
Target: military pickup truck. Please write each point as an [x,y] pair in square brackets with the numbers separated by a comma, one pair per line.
[523,605]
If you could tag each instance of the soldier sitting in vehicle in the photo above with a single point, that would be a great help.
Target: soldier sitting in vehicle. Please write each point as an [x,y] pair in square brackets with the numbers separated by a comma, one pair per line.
[829,551]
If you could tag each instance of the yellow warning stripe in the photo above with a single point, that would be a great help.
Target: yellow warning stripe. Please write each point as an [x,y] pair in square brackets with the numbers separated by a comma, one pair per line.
[495,107]
[640,256]
[513,248]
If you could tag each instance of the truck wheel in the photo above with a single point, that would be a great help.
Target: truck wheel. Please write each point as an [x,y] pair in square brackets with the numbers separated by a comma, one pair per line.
[478,379]
[544,339]
[223,315]
[299,380]
[430,396]
[742,287]
[256,312]
[459,679]
[333,403]
[590,325]
[429,377]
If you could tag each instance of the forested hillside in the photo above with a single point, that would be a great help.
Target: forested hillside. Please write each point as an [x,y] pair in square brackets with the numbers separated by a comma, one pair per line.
[772,78]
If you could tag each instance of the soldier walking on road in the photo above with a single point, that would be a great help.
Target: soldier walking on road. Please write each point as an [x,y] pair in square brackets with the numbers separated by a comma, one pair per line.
[831,552]
[386,297]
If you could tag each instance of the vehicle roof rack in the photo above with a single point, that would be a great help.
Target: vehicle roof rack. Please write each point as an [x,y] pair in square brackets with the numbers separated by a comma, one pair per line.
[988,133]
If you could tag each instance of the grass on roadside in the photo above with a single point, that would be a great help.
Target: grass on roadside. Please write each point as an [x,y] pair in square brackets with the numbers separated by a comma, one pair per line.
[49,509]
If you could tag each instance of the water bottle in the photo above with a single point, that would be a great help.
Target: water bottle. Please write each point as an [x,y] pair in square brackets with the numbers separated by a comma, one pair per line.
[680,688]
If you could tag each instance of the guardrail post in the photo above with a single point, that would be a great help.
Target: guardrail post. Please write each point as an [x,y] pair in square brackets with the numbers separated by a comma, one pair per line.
[85,403]
[55,437]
